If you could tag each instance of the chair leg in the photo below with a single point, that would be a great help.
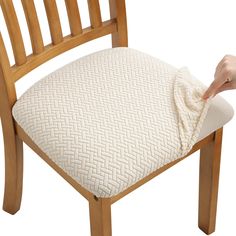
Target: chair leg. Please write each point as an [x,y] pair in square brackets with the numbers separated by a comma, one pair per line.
[100,216]
[13,174]
[208,183]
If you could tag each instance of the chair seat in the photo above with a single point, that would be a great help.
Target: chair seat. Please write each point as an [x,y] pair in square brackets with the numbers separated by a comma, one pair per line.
[111,118]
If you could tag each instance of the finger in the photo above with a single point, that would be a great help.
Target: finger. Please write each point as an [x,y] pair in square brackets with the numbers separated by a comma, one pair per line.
[216,84]
[224,87]
[209,92]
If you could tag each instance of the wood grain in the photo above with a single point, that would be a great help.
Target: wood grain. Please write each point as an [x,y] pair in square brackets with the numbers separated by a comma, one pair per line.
[195,148]
[118,12]
[95,13]
[27,140]
[14,31]
[68,43]
[13,146]
[53,21]
[4,62]
[74,17]
[14,135]
[210,156]
[33,25]
[100,217]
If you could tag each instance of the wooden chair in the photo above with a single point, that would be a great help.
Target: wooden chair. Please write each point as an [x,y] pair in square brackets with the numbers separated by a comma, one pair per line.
[14,135]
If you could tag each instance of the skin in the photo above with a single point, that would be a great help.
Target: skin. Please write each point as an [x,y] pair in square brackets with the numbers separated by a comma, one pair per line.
[225,77]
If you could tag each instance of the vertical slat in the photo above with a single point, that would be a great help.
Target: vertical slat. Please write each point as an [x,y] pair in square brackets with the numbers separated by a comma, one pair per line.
[5,74]
[95,13]
[74,17]
[14,31]
[4,60]
[54,21]
[118,11]
[33,25]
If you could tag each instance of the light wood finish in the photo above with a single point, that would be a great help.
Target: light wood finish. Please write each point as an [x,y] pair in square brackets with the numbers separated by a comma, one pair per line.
[68,43]
[74,17]
[100,217]
[33,25]
[4,62]
[27,140]
[85,193]
[54,21]
[13,171]
[209,181]
[95,13]
[118,11]
[13,146]
[14,135]
[195,148]
[14,31]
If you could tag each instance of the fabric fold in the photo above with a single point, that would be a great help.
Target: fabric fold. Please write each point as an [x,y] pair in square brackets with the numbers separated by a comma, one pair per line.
[191,109]
[113,117]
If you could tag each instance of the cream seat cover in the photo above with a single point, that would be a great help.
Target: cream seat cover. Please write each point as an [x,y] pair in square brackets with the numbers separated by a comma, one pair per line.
[113,117]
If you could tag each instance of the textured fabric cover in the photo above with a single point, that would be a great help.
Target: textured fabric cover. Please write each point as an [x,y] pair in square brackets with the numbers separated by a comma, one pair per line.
[113,117]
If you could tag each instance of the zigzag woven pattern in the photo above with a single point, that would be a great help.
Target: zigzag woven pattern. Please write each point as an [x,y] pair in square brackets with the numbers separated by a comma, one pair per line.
[113,117]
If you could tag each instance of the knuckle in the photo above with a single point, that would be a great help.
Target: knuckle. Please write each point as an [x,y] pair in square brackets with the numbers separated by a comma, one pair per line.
[225,64]
[227,70]
[226,67]
[227,57]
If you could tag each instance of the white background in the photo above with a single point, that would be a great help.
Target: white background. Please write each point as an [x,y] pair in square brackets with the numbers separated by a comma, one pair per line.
[189,33]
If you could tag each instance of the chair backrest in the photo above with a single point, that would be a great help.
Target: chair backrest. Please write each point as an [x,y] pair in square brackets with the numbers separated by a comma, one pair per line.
[116,26]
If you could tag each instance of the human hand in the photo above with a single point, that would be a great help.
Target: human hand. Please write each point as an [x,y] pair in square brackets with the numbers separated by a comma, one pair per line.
[225,77]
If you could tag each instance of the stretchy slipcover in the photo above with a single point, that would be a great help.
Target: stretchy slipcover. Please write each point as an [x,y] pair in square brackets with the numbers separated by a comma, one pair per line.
[111,118]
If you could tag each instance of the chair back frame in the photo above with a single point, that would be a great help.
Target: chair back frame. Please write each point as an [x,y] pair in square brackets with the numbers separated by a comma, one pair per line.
[116,26]
[14,135]
[13,143]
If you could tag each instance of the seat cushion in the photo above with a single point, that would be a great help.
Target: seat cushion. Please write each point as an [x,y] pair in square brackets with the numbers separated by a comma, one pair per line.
[113,117]
[220,112]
